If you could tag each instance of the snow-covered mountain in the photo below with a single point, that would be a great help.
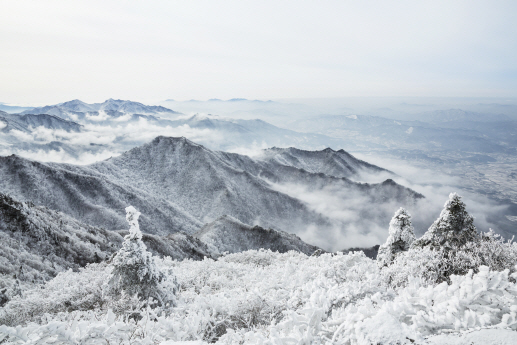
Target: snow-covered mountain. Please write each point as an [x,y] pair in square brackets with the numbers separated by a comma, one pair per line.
[77,106]
[179,185]
[28,122]
[227,234]
[121,125]
[45,242]
[111,108]
[334,163]
[12,109]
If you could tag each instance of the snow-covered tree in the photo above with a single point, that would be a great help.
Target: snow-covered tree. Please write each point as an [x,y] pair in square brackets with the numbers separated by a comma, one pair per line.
[453,229]
[401,236]
[135,271]
[451,246]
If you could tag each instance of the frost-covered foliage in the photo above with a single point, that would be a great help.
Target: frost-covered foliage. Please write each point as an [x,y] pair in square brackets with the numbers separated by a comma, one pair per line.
[451,246]
[263,297]
[68,292]
[37,243]
[135,271]
[401,236]
[452,230]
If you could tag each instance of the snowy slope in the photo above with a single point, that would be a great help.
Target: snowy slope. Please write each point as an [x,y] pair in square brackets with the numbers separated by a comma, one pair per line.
[90,197]
[37,242]
[177,246]
[227,234]
[205,184]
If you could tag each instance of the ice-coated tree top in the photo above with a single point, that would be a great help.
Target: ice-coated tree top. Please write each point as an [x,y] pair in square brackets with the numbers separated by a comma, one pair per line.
[401,236]
[401,228]
[132,218]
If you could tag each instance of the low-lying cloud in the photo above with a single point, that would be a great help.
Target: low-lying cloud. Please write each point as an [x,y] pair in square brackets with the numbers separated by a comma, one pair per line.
[96,141]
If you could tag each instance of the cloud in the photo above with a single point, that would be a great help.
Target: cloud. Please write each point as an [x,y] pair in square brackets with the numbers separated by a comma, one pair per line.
[97,141]
[357,222]
[60,156]
[354,220]
[101,116]
[254,150]
[436,187]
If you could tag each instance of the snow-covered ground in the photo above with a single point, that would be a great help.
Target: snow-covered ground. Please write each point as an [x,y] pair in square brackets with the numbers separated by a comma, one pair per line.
[262,297]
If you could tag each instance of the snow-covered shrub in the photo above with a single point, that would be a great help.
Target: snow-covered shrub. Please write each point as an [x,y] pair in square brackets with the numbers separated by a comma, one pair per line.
[401,236]
[67,292]
[134,269]
[493,251]
[263,297]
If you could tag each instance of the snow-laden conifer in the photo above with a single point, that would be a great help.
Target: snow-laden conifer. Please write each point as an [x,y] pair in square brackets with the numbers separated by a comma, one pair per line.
[453,229]
[401,236]
[135,271]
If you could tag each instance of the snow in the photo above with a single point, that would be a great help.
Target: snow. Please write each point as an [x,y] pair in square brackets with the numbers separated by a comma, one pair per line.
[261,297]
[476,337]
[265,297]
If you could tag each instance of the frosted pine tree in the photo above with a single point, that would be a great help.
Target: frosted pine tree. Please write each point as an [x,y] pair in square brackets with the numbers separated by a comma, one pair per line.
[401,236]
[134,269]
[454,241]
[453,229]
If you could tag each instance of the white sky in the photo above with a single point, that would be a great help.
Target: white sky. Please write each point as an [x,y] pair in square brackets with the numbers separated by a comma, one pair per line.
[54,51]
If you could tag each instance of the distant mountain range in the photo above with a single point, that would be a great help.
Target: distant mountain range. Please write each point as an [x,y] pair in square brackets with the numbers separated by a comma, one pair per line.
[120,119]
[115,108]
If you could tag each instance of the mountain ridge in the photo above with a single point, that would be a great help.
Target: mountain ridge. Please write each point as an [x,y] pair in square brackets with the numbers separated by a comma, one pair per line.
[179,185]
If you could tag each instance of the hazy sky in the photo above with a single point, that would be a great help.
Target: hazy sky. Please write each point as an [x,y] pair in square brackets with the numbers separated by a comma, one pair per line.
[53,51]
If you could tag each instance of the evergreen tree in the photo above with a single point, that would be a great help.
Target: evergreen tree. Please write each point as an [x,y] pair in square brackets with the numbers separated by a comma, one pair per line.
[401,236]
[134,269]
[452,230]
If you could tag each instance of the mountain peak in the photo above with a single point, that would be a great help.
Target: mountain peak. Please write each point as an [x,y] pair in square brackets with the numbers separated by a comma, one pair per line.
[172,140]
[74,101]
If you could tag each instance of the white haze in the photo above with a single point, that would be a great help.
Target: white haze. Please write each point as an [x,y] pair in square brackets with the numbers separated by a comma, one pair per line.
[436,187]
[355,222]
